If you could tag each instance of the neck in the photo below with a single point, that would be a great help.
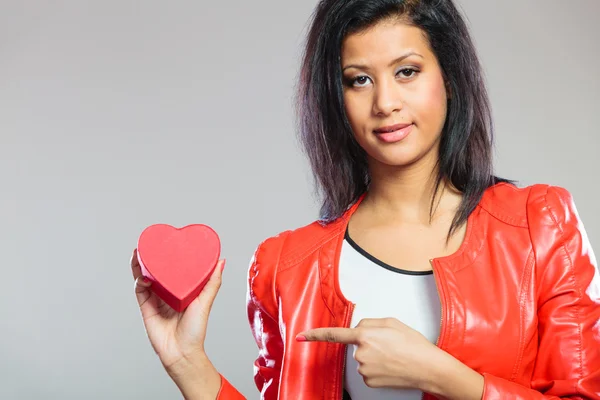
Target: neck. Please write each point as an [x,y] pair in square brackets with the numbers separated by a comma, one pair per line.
[405,194]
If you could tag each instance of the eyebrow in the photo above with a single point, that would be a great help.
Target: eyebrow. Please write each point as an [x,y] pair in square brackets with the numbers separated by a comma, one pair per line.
[397,60]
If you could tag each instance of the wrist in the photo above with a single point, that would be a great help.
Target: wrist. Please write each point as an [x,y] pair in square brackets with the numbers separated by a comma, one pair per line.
[197,380]
[451,379]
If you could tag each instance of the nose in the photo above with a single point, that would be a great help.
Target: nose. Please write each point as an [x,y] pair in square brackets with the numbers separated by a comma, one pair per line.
[386,99]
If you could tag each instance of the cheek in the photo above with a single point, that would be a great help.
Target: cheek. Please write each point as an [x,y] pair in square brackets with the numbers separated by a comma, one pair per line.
[432,103]
[354,110]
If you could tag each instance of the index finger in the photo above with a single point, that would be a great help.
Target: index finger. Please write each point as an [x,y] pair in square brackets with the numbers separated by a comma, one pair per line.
[136,270]
[334,335]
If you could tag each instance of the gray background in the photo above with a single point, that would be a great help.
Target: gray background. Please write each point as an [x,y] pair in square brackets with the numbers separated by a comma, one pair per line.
[115,115]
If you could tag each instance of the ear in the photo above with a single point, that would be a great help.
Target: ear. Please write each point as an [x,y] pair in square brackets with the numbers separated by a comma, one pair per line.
[448,90]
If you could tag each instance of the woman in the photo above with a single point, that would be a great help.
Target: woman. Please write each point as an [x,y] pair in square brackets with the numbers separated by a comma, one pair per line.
[425,274]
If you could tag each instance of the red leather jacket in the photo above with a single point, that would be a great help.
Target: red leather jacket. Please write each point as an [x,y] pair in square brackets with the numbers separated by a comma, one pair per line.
[520,302]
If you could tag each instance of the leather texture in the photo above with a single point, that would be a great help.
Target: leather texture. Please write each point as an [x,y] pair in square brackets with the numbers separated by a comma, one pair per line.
[520,302]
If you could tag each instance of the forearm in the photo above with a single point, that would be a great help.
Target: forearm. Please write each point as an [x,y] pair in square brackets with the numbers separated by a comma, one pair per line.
[200,381]
[452,380]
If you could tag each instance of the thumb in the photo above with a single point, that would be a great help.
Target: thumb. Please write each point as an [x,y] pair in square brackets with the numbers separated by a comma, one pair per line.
[208,294]
[195,318]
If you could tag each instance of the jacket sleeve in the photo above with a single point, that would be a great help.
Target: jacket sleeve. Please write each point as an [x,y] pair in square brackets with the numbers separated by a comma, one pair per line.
[228,391]
[262,308]
[568,290]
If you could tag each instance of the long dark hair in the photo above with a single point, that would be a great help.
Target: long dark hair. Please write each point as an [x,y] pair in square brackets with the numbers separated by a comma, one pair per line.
[338,163]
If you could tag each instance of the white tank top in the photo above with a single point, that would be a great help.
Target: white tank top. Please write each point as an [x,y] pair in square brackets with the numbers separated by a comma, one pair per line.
[379,290]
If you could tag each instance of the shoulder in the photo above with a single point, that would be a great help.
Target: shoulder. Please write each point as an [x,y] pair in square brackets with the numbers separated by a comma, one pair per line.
[292,244]
[552,215]
[285,248]
[552,205]
[533,204]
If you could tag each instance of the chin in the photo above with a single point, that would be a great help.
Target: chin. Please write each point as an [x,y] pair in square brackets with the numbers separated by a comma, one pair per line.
[397,157]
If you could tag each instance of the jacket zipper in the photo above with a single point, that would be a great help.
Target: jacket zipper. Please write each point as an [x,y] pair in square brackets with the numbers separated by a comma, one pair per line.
[348,322]
[437,342]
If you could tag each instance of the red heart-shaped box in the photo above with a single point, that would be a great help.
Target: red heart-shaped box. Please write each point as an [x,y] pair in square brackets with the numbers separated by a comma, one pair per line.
[178,261]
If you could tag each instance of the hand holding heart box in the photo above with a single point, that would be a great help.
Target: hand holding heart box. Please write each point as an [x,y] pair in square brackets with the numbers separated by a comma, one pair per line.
[178,261]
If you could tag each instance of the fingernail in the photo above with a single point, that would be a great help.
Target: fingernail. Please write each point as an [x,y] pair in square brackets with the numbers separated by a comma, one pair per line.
[146,280]
[301,338]
[223,265]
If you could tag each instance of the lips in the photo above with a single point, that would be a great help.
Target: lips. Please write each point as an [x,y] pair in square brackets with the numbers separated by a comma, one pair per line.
[393,133]
[391,128]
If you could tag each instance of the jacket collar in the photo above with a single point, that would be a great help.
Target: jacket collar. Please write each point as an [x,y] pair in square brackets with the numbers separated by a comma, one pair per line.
[473,241]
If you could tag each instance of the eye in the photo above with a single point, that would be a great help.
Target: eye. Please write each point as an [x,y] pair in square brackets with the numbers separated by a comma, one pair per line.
[407,72]
[359,81]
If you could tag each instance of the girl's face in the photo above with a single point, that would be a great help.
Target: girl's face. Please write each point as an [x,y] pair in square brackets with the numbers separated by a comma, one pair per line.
[394,94]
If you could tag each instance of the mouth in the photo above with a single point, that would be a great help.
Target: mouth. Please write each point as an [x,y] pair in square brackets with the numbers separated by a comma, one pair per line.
[390,128]
[393,133]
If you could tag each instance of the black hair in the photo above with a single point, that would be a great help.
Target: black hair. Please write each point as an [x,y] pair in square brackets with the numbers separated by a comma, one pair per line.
[339,164]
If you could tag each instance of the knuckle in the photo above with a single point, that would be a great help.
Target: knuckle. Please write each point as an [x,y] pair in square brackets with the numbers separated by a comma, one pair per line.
[138,284]
[216,282]
[358,356]
[371,381]
[362,336]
